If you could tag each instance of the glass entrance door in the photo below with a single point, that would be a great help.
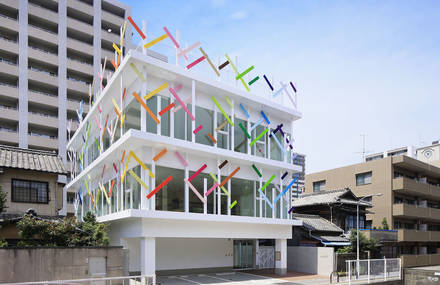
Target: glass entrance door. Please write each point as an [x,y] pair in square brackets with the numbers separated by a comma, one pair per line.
[243,254]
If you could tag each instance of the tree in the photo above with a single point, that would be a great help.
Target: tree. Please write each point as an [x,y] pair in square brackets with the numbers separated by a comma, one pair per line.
[66,232]
[385,224]
[3,199]
[365,244]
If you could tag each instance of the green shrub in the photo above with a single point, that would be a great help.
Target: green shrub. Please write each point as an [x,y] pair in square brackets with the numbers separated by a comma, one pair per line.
[66,232]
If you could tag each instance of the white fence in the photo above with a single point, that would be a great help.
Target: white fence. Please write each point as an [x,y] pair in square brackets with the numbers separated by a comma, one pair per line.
[125,280]
[373,269]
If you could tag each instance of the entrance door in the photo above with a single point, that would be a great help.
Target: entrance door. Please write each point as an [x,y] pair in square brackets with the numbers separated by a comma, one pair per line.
[243,254]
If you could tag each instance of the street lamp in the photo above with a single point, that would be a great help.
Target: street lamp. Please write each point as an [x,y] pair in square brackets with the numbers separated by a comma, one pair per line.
[357,225]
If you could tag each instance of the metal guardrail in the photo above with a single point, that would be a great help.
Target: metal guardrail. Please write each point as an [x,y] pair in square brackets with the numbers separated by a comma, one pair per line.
[123,280]
[373,269]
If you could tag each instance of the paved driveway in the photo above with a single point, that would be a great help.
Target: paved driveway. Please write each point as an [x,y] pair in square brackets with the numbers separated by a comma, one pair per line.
[231,278]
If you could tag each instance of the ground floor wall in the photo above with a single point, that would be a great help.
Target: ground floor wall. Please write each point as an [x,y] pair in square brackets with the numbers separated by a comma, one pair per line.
[43,264]
[314,260]
[184,253]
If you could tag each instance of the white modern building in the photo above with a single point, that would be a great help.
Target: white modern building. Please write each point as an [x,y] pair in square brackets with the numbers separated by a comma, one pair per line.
[158,150]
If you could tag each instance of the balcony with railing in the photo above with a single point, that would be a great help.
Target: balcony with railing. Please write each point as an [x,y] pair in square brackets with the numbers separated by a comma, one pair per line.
[406,235]
[42,75]
[9,23]
[40,140]
[43,119]
[9,135]
[409,260]
[9,45]
[8,113]
[8,90]
[43,12]
[409,186]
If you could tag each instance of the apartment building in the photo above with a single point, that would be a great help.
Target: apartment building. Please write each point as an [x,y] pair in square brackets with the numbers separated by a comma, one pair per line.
[300,159]
[430,153]
[50,53]
[410,201]
[164,165]
[406,150]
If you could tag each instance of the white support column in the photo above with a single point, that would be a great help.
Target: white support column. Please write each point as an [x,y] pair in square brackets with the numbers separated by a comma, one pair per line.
[282,198]
[144,178]
[158,108]
[193,109]
[248,127]
[186,187]
[215,125]
[219,193]
[153,185]
[281,256]
[255,198]
[229,197]
[172,117]
[205,188]
[148,255]
[261,197]
[233,122]
[291,142]
[274,212]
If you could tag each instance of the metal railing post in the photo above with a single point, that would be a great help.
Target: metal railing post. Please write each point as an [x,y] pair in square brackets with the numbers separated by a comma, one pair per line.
[385,269]
[368,271]
[349,271]
[400,269]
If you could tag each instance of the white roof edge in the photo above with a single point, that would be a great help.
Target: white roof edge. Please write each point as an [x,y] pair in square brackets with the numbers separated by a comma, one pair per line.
[154,214]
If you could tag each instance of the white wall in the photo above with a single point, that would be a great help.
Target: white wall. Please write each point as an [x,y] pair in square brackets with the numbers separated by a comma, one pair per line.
[186,253]
[134,254]
[314,260]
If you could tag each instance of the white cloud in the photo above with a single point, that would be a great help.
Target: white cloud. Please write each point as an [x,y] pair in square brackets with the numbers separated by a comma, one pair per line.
[239,15]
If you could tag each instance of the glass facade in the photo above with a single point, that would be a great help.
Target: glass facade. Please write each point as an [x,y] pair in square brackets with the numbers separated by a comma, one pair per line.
[171,197]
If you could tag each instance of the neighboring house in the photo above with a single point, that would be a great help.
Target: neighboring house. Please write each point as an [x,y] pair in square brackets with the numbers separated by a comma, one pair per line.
[410,201]
[30,179]
[155,151]
[317,231]
[337,206]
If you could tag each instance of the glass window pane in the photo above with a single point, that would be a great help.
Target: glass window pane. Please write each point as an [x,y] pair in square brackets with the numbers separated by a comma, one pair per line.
[132,116]
[240,139]
[243,192]
[195,205]
[275,151]
[179,124]
[171,196]
[259,147]
[165,118]
[205,118]
[224,135]
[151,123]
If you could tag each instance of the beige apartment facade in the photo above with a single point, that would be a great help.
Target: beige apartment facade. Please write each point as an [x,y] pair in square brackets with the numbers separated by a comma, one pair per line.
[410,201]
[50,53]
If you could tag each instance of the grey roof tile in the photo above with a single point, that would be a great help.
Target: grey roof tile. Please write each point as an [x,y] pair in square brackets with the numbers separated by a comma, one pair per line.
[317,223]
[328,197]
[38,160]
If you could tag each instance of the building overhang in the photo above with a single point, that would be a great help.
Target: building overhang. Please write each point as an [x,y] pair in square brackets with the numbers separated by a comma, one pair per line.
[148,223]
[124,76]
[135,140]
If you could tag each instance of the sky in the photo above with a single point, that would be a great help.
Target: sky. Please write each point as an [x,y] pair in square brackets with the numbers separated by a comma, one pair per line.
[360,67]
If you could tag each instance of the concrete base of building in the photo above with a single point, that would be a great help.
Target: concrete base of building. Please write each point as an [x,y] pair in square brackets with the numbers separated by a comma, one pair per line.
[281,271]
